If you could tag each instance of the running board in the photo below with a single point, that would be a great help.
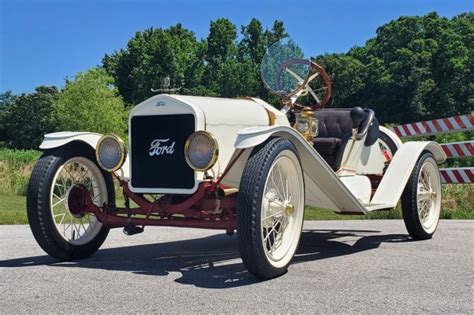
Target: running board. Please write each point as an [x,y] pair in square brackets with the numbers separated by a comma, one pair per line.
[378,206]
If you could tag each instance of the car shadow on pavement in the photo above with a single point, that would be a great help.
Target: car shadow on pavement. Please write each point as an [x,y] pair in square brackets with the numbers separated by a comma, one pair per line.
[213,261]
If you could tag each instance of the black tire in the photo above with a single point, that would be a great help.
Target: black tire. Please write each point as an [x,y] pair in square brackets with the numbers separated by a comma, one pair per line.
[39,213]
[249,208]
[411,217]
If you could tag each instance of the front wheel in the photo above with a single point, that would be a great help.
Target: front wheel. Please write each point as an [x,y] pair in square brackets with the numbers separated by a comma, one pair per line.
[421,199]
[270,208]
[59,232]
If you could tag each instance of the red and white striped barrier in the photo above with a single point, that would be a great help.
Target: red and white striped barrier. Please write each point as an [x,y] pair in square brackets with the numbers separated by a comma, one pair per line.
[458,149]
[430,127]
[461,175]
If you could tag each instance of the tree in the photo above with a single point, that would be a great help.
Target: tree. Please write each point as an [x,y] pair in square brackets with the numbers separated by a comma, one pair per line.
[90,102]
[416,68]
[348,75]
[253,44]
[6,100]
[221,45]
[276,33]
[153,54]
[30,116]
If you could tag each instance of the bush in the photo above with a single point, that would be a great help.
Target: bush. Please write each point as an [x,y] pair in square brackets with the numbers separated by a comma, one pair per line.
[90,102]
[15,170]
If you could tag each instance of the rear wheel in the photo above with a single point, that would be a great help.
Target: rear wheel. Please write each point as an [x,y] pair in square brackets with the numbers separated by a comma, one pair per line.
[60,233]
[421,199]
[270,208]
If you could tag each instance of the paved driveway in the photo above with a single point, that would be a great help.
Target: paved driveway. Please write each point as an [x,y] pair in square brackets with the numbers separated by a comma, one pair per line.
[341,266]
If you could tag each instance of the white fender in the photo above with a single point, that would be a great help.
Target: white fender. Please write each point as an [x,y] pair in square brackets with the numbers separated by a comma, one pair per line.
[392,135]
[59,139]
[322,186]
[401,166]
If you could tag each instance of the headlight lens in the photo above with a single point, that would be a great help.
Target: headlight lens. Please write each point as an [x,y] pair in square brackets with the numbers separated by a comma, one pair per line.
[110,152]
[302,124]
[201,150]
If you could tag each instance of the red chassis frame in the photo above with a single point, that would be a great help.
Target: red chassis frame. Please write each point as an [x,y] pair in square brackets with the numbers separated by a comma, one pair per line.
[212,206]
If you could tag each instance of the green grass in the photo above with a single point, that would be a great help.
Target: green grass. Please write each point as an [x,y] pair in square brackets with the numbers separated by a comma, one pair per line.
[13,209]
[15,170]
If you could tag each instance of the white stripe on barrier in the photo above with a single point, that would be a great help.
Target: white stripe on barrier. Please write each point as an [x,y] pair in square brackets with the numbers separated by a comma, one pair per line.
[454,123]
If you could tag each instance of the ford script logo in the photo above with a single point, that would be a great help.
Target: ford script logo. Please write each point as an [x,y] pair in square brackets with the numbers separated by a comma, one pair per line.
[161,147]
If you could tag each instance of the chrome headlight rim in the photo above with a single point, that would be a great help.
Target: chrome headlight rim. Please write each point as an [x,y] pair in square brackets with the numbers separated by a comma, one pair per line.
[122,149]
[215,152]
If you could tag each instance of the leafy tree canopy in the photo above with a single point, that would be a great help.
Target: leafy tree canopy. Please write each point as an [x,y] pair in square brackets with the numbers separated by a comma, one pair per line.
[30,116]
[216,66]
[415,68]
[90,102]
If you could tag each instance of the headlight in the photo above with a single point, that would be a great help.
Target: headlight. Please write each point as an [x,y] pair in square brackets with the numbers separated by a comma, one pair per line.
[302,124]
[110,152]
[201,151]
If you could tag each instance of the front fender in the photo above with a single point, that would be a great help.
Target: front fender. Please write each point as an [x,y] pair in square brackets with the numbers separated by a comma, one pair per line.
[323,188]
[60,139]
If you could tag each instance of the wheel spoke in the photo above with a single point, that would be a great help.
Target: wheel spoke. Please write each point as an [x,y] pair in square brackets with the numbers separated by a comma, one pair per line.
[272,215]
[58,202]
[282,183]
[275,224]
[424,195]
[276,188]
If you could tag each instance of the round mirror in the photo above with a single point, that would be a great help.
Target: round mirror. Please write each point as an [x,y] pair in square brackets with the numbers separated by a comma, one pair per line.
[284,69]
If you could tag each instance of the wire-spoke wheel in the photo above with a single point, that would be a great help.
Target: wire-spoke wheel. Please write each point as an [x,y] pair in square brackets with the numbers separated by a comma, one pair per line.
[77,229]
[421,200]
[61,233]
[270,208]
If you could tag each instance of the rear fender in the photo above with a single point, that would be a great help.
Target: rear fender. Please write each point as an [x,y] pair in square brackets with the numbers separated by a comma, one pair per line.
[58,140]
[398,172]
[392,135]
[322,186]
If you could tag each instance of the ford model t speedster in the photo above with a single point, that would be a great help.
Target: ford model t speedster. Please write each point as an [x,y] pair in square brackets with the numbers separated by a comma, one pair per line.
[233,164]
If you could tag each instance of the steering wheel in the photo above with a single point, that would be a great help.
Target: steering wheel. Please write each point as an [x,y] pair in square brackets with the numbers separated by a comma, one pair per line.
[321,95]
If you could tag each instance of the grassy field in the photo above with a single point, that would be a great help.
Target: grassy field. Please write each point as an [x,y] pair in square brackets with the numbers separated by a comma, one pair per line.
[16,166]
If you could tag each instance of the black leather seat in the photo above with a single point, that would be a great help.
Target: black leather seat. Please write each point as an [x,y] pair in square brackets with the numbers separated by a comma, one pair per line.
[335,129]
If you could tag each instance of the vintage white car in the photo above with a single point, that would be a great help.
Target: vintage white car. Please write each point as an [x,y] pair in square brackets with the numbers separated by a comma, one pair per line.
[233,164]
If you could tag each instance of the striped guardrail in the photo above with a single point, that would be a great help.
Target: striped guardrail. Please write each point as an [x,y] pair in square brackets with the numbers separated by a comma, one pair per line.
[460,175]
[459,149]
[436,126]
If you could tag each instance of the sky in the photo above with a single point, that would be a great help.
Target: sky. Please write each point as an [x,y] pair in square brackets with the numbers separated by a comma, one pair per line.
[43,42]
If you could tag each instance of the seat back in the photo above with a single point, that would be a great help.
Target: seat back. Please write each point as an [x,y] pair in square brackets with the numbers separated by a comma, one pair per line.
[335,129]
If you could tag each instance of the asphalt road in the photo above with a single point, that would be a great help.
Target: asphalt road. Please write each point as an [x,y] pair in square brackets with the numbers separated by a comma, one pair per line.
[342,266]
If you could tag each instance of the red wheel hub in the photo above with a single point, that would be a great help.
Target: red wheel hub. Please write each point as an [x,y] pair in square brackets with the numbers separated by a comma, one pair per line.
[78,199]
